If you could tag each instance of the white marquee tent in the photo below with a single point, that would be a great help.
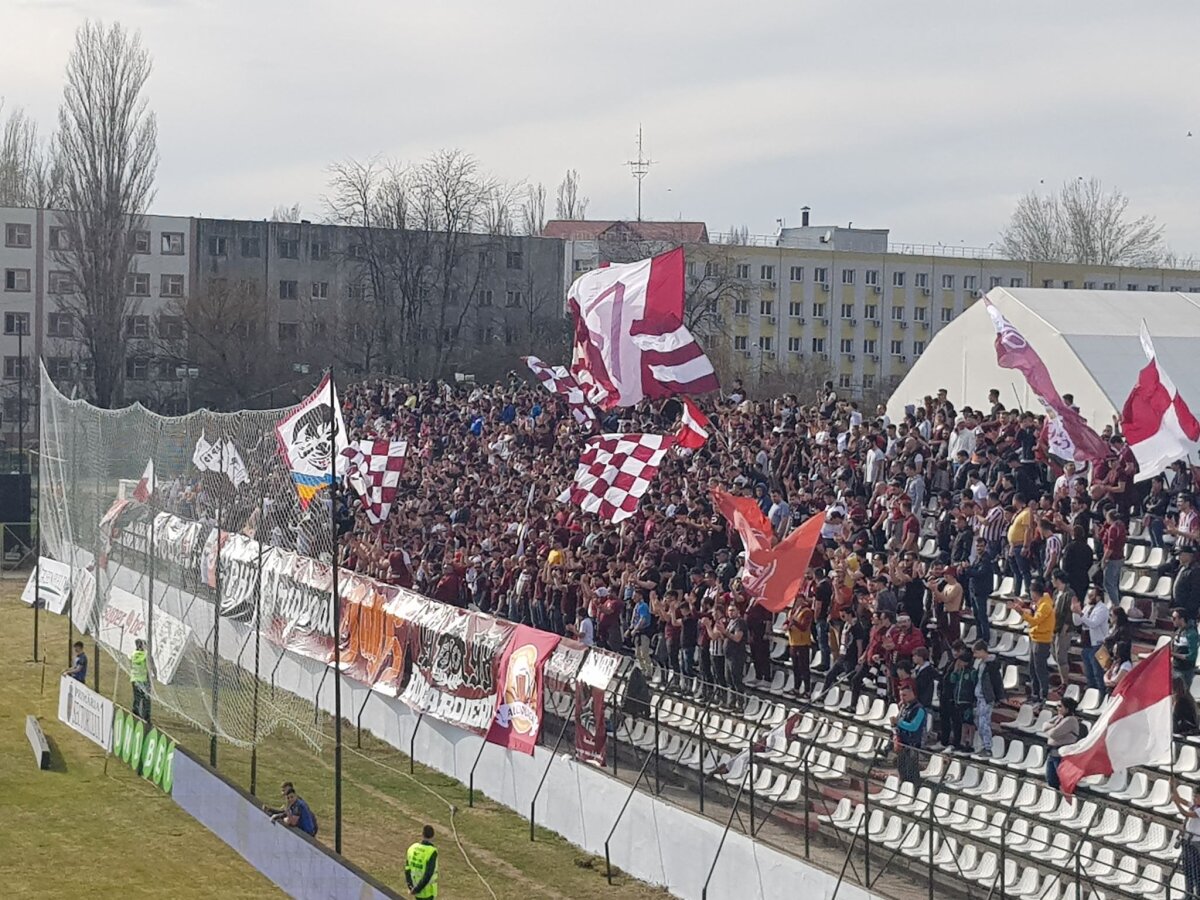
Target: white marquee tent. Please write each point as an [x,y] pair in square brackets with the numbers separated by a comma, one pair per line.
[1088,340]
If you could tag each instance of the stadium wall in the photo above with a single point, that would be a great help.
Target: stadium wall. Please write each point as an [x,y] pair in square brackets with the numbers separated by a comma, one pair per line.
[656,842]
[301,866]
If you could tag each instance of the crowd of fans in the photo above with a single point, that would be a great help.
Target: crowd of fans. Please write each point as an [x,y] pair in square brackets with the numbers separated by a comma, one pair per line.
[478,524]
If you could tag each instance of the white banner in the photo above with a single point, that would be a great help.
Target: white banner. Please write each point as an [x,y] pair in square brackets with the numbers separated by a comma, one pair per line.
[54,588]
[599,668]
[124,621]
[86,711]
[84,605]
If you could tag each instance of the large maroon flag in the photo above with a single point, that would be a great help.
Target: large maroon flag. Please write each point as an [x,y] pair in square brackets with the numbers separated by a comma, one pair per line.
[1070,435]
[630,340]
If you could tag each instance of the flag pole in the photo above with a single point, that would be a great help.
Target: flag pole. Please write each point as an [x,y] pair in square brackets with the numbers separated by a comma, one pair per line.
[335,599]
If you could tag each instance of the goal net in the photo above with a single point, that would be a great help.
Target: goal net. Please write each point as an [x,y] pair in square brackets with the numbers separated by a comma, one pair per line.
[163,522]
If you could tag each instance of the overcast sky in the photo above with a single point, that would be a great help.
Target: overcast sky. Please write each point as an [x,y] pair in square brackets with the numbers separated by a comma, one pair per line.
[927,118]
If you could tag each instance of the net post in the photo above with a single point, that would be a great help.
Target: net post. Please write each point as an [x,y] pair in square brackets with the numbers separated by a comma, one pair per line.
[216,653]
[262,502]
[335,599]
[37,571]
[96,585]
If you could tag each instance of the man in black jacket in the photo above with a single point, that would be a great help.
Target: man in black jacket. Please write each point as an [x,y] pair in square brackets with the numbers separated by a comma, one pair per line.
[1186,592]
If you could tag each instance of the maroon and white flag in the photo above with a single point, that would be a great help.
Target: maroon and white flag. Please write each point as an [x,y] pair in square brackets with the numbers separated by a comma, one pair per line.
[1070,436]
[1156,421]
[557,380]
[145,486]
[614,473]
[693,429]
[1135,728]
[373,468]
[630,340]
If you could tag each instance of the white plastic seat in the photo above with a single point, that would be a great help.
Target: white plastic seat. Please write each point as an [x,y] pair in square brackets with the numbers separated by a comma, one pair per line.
[1012,678]
[1137,789]
[1013,756]
[1158,795]
[1090,701]
[1024,718]
[1035,760]
[994,829]
[984,871]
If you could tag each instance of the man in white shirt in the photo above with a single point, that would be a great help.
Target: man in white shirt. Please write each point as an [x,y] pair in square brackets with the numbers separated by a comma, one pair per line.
[963,438]
[780,514]
[1190,850]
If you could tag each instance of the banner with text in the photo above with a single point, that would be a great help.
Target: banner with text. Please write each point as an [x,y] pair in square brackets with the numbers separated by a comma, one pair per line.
[519,699]
[373,635]
[52,582]
[591,739]
[124,621]
[81,708]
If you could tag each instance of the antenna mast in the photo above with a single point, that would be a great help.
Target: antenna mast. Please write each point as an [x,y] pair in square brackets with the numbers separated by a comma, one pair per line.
[639,167]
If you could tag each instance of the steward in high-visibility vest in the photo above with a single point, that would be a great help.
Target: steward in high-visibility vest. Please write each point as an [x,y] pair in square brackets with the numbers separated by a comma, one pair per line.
[420,868]
[139,679]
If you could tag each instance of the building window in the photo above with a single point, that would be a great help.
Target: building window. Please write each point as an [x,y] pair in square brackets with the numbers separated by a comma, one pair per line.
[897,348]
[918,347]
[1068,285]
[1175,289]
[217,245]
[251,248]
[766,307]
[921,279]
[766,342]
[60,282]
[766,273]
[60,324]
[137,326]
[871,312]
[969,282]
[356,251]
[586,265]
[512,299]
[712,270]
[793,345]
[60,238]
[1152,287]
[1110,285]
[797,273]
[16,367]
[796,309]
[1131,287]
[514,259]
[869,345]
[947,282]
[288,248]
[1016,282]
[16,323]
[59,367]
[1091,286]
[897,313]
[485,298]
[288,290]
[289,332]
[847,276]
[947,314]
[16,280]
[818,345]
[846,345]
[845,381]
[18,235]
[137,368]
[821,275]
[137,284]
[819,310]
[741,306]
[742,271]
[740,342]
[171,286]
[170,328]
[868,381]
[318,250]
[1047,282]
[320,290]
[898,279]
[140,241]
[847,310]
[919,314]
[871,277]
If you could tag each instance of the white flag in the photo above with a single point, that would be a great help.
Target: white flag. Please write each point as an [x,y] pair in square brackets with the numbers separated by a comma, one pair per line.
[232,466]
[200,454]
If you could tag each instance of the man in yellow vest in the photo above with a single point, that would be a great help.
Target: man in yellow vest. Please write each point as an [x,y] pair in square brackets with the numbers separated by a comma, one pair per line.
[420,870]
[139,678]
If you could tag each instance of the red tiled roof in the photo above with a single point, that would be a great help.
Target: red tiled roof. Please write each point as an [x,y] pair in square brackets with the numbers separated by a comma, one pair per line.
[597,229]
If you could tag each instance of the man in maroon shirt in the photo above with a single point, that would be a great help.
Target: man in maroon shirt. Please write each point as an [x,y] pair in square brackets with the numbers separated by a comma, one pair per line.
[1113,538]
[609,621]
[449,587]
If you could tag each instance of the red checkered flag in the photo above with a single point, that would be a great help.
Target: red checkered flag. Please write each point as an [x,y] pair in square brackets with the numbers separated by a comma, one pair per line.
[558,380]
[373,468]
[614,472]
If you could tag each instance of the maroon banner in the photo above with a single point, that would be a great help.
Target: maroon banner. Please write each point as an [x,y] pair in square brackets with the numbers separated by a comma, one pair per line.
[591,739]
[519,699]
[373,637]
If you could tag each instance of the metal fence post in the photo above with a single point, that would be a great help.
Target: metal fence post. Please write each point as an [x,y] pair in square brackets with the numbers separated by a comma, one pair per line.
[807,807]
[930,847]
[750,776]
[866,830]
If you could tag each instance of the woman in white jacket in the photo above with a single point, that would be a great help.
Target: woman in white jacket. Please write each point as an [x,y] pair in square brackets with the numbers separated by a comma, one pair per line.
[1092,618]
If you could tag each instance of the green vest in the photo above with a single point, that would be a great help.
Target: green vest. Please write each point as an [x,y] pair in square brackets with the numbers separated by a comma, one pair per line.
[139,672]
[418,858]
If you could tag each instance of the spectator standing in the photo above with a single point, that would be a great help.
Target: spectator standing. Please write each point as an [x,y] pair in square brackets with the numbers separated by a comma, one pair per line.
[1113,558]
[1020,539]
[800,640]
[1184,644]
[641,624]
[139,680]
[981,576]
[1064,625]
[1062,730]
[1185,592]
[420,867]
[1040,619]
[1092,618]
[1190,847]
[735,634]
[989,690]
[1077,561]
[79,666]
[909,734]
[1154,511]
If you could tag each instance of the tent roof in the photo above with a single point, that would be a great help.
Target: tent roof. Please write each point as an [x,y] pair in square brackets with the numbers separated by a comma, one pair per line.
[1088,340]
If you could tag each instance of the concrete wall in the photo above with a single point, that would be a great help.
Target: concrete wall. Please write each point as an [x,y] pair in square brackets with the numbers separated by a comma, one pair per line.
[301,866]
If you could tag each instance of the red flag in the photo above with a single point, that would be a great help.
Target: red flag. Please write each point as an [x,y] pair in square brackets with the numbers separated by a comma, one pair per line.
[772,577]
[1156,421]
[747,519]
[519,698]
[630,340]
[693,430]
[1135,728]
[145,485]
[1070,436]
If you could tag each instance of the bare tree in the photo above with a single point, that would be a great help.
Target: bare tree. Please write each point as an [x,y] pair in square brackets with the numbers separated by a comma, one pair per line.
[107,139]
[30,174]
[738,235]
[570,204]
[533,210]
[285,213]
[1082,223]
[710,289]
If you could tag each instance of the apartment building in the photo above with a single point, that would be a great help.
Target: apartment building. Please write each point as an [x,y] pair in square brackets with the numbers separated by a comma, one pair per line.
[36,323]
